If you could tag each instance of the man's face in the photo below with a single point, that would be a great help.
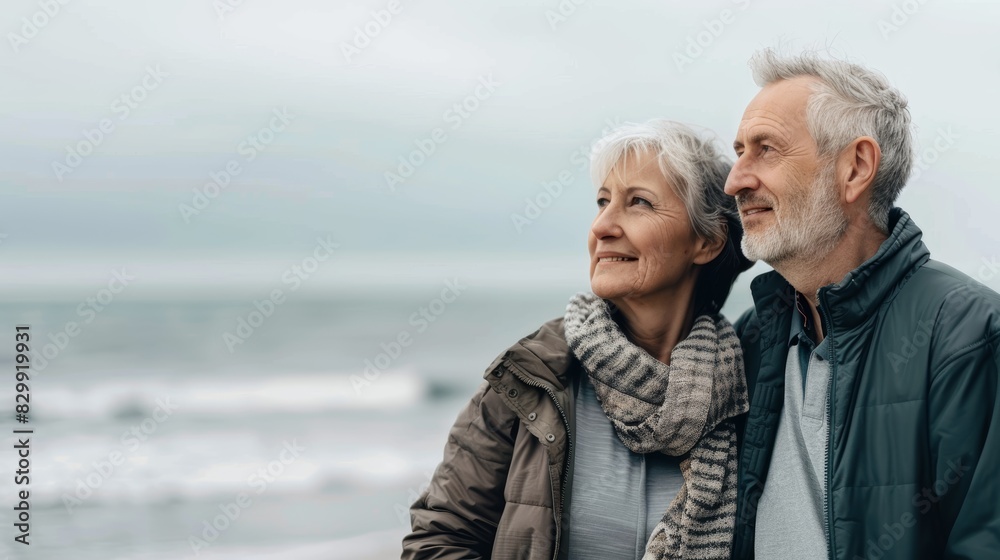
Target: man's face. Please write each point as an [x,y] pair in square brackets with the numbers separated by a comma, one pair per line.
[789,200]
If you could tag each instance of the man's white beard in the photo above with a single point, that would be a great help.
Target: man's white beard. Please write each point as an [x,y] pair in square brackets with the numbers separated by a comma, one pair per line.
[808,227]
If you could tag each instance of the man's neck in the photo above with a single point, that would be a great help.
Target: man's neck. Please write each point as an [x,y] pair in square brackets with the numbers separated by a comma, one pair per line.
[809,273]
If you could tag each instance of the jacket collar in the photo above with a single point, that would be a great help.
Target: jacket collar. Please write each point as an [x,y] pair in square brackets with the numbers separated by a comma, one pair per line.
[851,301]
[542,356]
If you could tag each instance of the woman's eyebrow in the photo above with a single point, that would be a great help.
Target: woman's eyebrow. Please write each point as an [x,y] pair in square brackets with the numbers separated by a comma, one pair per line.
[631,189]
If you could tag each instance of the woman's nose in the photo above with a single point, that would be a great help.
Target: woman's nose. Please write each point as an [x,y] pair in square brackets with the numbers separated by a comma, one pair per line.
[607,223]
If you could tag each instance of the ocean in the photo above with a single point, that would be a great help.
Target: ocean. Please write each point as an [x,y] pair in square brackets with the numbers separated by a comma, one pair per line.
[156,436]
[147,429]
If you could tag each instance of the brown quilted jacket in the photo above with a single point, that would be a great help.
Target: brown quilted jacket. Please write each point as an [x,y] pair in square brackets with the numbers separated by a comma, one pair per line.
[501,489]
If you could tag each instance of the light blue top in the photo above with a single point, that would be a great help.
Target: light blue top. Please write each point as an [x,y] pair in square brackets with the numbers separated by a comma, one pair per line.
[618,496]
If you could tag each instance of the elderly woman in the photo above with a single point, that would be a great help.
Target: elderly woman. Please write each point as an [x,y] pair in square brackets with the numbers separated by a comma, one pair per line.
[609,433]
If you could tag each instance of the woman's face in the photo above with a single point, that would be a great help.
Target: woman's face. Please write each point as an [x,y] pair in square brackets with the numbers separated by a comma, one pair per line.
[641,243]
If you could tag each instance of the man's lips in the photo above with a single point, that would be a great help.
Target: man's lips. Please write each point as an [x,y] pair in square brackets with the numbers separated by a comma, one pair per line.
[756,210]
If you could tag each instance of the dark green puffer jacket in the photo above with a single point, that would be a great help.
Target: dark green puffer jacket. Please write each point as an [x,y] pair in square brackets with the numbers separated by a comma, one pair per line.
[913,459]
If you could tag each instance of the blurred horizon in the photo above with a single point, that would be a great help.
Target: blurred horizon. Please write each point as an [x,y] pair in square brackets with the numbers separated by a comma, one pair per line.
[351,119]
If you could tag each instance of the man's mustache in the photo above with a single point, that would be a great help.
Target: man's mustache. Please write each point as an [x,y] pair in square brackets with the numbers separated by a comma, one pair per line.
[752,200]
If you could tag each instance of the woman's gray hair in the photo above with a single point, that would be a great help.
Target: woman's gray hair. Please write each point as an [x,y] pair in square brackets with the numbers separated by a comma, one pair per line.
[693,165]
[850,101]
[696,170]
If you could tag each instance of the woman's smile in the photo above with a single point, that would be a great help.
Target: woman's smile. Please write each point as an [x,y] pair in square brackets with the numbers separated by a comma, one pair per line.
[614,259]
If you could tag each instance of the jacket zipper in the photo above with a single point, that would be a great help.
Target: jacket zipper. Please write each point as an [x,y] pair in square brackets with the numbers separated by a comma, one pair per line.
[569,456]
[827,513]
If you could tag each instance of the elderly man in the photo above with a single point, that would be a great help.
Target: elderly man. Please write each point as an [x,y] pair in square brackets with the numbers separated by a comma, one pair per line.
[874,424]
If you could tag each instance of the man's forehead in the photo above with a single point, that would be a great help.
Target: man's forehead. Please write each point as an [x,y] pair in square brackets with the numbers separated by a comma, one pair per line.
[780,104]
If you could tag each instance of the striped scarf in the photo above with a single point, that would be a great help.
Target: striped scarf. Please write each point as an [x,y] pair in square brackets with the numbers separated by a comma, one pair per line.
[686,407]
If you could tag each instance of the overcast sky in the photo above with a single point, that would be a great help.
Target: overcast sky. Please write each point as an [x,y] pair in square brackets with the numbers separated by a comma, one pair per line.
[199,78]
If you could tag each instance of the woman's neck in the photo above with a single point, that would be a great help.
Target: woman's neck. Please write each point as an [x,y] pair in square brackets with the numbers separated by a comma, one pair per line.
[657,324]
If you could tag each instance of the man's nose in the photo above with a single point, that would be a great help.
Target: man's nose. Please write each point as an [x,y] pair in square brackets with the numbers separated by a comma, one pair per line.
[740,177]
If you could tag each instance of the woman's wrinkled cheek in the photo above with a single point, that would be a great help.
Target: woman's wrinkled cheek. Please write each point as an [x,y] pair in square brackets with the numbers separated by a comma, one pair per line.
[642,274]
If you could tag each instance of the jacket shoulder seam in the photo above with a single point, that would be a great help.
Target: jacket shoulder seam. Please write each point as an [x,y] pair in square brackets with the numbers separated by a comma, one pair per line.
[967,349]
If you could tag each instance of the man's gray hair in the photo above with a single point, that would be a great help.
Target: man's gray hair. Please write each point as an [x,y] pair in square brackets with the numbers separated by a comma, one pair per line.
[849,102]
[695,168]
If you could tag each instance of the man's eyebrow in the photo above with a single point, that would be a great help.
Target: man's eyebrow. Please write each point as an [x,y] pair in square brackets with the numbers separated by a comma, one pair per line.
[757,138]
[763,136]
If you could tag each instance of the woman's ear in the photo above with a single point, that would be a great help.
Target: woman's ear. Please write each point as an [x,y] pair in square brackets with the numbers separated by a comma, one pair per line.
[707,249]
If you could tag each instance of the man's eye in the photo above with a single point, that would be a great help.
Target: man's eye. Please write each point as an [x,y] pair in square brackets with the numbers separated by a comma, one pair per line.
[765,148]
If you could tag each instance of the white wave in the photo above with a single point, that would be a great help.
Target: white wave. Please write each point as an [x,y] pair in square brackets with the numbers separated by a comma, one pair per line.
[302,392]
[216,463]
[377,545]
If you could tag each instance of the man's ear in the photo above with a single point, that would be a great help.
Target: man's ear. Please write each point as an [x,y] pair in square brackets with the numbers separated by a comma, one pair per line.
[708,249]
[857,166]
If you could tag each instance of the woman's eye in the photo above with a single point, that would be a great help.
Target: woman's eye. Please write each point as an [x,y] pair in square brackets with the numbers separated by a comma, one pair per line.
[643,201]
[602,202]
